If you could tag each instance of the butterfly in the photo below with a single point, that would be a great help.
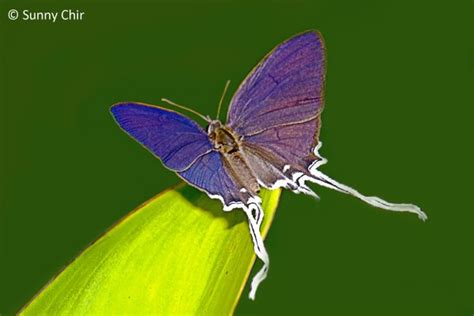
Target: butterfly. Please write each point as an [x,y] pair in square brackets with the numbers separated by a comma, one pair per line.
[270,139]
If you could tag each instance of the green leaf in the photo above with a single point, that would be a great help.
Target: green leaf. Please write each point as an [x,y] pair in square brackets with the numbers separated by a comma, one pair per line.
[177,253]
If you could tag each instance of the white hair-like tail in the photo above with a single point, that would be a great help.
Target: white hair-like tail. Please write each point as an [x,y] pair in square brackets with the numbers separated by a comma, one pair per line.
[325,181]
[254,214]
[320,178]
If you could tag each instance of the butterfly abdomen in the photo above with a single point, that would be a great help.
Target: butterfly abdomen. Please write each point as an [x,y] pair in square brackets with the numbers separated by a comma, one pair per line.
[239,168]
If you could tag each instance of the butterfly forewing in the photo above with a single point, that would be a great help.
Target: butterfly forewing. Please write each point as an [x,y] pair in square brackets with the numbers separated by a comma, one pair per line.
[284,88]
[175,139]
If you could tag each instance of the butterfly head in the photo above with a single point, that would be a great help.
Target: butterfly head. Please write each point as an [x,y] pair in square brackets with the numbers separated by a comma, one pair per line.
[213,126]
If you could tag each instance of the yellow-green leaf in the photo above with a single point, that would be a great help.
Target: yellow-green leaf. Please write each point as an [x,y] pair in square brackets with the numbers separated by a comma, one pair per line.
[177,253]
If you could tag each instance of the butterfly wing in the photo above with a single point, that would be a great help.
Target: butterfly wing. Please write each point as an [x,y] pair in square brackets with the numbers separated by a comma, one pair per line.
[175,139]
[277,109]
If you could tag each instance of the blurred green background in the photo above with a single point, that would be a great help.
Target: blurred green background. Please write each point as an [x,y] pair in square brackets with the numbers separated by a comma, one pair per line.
[398,108]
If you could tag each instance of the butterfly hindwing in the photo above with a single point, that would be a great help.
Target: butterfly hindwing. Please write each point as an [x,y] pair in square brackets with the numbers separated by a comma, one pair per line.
[211,174]
[285,150]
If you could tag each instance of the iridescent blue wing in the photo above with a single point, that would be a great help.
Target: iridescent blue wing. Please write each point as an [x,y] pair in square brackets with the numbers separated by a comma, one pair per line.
[175,139]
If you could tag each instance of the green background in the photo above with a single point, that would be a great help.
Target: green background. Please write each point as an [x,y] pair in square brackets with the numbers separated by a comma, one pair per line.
[398,110]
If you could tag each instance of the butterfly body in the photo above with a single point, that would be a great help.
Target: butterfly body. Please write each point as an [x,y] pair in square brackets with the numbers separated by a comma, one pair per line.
[270,138]
[230,146]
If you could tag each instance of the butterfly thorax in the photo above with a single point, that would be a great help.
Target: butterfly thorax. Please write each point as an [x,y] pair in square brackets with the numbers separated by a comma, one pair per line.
[223,138]
[228,143]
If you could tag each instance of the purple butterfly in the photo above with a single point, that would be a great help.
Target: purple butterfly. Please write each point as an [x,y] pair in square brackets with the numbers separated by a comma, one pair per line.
[271,138]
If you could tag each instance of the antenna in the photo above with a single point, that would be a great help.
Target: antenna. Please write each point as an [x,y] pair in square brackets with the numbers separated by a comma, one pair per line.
[222,99]
[187,109]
